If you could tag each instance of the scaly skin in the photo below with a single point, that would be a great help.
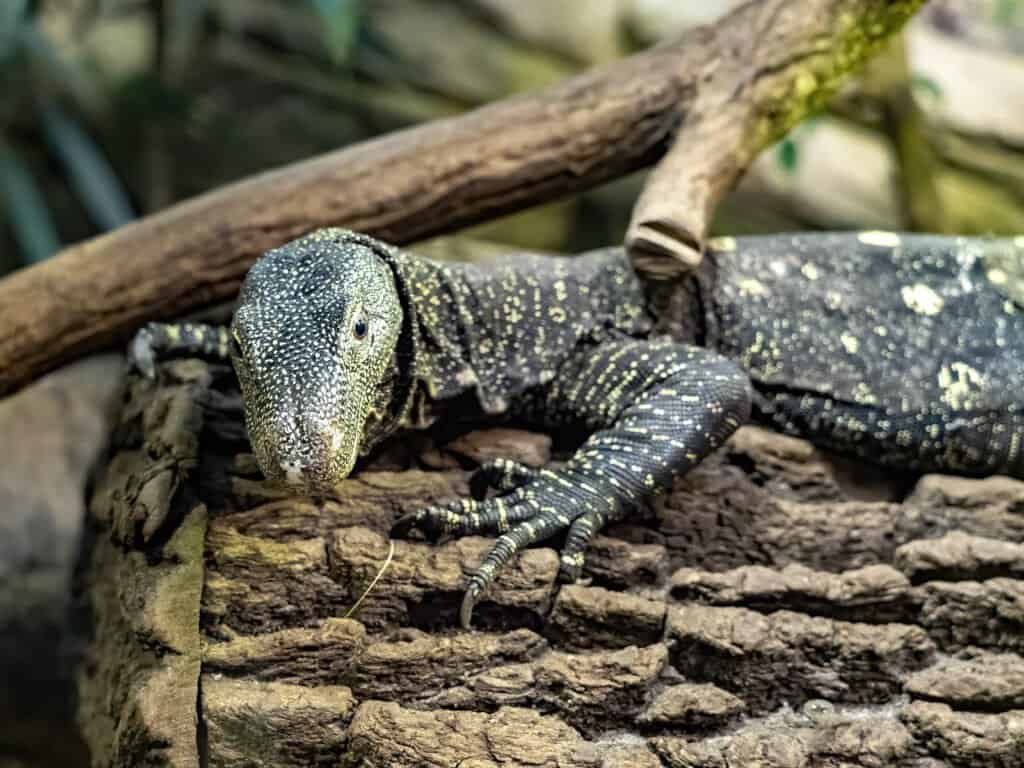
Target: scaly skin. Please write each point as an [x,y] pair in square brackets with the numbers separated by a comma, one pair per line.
[904,350]
[907,351]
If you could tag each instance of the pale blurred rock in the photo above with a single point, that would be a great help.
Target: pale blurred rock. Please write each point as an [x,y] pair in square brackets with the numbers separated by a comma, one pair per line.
[53,433]
[655,20]
[588,37]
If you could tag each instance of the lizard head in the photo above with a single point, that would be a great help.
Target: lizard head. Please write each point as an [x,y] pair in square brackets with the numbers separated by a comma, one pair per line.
[313,344]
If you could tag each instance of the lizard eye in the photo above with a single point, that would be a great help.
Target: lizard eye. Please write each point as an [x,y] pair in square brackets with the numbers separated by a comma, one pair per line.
[359,328]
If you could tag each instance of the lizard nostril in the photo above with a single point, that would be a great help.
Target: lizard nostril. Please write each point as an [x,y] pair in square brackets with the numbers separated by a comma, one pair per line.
[293,471]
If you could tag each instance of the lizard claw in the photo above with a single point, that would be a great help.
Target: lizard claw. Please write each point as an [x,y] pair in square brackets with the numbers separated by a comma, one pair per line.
[469,601]
[403,525]
[141,357]
[433,522]
[502,475]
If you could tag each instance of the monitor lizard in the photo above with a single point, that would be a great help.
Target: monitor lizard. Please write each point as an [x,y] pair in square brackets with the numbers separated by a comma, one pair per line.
[903,350]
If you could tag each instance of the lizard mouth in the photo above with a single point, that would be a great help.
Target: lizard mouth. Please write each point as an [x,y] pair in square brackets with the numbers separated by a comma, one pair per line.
[317,476]
[313,459]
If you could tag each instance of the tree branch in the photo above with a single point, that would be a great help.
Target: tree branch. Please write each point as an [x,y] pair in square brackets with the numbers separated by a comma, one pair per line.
[772,55]
[769,72]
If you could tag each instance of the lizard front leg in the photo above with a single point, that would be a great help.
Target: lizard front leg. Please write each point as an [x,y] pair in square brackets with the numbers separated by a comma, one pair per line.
[156,341]
[655,409]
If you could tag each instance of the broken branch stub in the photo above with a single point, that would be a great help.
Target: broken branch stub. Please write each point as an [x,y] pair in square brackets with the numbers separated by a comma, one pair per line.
[773,63]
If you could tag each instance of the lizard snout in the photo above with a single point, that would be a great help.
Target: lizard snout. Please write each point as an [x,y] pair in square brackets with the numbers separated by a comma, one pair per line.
[303,452]
[294,472]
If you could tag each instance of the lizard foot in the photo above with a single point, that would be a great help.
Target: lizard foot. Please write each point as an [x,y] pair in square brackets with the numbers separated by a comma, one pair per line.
[158,341]
[141,355]
[541,504]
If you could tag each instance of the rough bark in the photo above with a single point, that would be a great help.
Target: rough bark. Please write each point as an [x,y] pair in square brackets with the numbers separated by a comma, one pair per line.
[453,172]
[770,611]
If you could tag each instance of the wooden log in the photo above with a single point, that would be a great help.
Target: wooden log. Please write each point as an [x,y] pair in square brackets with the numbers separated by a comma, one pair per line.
[458,171]
[780,607]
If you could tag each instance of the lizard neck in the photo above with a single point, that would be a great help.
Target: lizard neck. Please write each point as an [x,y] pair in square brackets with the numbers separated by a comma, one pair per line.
[429,358]
[395,396]
[490,333]
[476,337]
[443,314]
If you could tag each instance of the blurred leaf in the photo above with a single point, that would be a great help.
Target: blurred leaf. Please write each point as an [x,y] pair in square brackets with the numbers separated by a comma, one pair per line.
[65,74]
[788,155]
[88,171]
[12,20]
[1005,13]
[340,20]
[30,218]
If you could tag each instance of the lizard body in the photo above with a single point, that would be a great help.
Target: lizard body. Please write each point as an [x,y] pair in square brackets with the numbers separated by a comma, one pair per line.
[899,349]
[904,350]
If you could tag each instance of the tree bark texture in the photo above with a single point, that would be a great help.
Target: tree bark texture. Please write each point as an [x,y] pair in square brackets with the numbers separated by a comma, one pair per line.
[779,608]
[721,92]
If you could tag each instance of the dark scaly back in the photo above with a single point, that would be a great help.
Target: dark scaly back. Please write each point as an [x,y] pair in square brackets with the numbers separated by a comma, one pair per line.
[497,330]
[903,349]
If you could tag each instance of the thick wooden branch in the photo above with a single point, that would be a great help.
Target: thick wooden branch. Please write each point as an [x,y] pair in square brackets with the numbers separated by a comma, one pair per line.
[772,55]
[768,73]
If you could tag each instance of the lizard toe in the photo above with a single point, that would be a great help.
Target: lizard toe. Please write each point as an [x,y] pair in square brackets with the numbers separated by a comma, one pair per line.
[581,532]
[433,522]
[544,504]
[141,356]
[570,567]
[502,475]
[469,601]
[466,517]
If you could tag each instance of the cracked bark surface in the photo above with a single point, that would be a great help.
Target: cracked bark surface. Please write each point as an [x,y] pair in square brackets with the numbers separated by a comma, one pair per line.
[780,608]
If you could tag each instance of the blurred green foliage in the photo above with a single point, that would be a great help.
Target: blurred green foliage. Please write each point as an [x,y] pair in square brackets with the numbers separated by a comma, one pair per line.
[88,130]
[120,106]
[340,20]
[38,82]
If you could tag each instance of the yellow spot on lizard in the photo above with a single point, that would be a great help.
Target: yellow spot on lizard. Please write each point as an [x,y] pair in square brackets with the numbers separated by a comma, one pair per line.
[996,276]
[751,287]
[863,395]
[879,238]
[922,299]
[959,381]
